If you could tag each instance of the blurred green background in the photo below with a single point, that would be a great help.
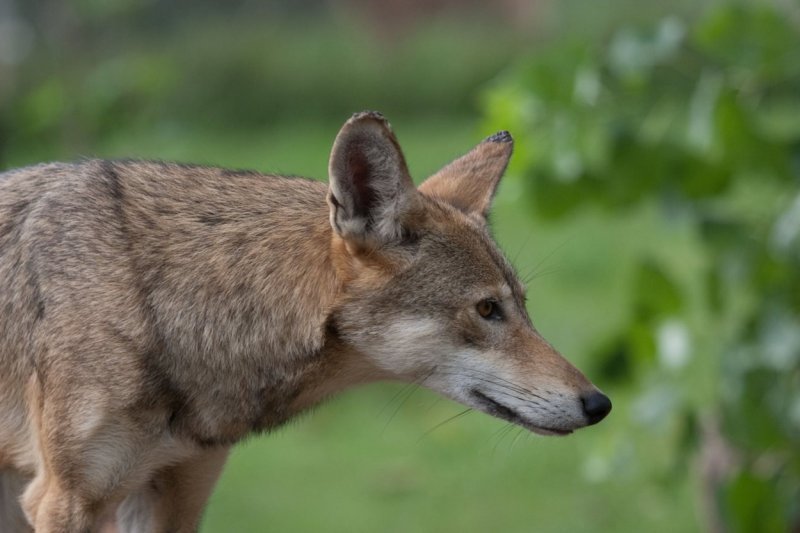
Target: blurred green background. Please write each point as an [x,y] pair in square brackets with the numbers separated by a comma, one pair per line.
[653,201]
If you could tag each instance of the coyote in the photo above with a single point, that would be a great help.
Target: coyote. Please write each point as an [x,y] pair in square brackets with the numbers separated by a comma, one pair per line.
[154,314]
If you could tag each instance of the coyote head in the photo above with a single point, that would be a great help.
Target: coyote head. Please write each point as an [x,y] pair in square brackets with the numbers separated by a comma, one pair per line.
[429,297]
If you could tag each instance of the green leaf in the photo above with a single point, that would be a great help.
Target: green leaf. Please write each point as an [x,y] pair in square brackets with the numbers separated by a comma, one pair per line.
[752,505]
[758,38]
[705,127]
[715,295]
[656,295]
[700,177]
[751,418]
[554,199]
[613,360]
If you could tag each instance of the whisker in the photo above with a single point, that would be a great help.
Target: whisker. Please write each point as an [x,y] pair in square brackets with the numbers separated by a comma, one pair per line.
[548,256]
[522,247]
[536,275]
[436,399]
[394,397]
[542,407]
[405,393]
[505,430]
[440,424]
[411,390]
[521,432]
[503,388]
[514,386]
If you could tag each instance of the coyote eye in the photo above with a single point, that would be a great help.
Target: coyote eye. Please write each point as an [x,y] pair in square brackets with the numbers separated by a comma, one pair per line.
[489,309]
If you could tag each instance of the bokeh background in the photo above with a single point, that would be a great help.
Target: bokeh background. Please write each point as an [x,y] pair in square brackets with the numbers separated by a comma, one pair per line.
[653,205]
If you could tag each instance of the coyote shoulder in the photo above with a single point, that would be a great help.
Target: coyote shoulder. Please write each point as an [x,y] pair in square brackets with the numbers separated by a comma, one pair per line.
[154,314]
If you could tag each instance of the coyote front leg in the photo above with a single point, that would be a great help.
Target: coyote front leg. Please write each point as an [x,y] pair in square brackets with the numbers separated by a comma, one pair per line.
[94,444]
[177,496]
[80,481]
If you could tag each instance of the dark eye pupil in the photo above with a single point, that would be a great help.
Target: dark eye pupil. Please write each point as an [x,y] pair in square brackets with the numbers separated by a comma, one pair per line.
[486,308]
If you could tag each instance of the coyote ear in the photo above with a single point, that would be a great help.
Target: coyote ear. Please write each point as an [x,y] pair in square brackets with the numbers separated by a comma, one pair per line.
[370,188]
[469,182]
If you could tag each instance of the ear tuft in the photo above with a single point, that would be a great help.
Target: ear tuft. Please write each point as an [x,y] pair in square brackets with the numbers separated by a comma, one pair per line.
[376,115]
[500,137]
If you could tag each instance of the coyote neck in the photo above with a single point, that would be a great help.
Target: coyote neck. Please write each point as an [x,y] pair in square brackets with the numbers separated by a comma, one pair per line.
[337,365]
[338,368]
[237,300]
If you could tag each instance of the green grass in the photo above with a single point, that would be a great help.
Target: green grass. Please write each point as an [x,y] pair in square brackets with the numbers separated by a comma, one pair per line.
[367,461]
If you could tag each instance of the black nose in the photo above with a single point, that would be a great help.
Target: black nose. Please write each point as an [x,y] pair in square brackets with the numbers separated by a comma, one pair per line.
[596,406]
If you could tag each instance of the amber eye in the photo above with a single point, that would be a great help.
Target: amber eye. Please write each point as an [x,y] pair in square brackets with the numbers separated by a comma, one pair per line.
[488,309]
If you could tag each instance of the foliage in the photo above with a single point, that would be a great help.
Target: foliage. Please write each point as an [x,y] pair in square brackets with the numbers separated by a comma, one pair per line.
[106,74]
[703,120]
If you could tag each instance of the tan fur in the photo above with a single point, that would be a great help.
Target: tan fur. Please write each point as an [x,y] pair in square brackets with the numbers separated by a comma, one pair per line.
[152,315]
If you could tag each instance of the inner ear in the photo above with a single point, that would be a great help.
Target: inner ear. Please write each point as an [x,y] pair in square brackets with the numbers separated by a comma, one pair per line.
[364,196]
[370,188]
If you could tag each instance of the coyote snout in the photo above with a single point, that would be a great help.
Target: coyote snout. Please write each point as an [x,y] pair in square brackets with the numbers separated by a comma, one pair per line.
[152,315]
